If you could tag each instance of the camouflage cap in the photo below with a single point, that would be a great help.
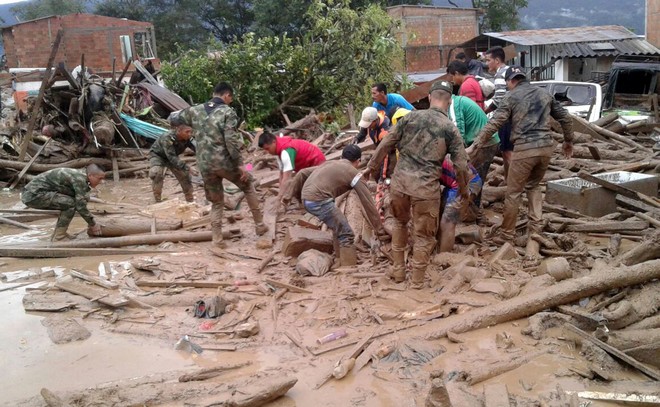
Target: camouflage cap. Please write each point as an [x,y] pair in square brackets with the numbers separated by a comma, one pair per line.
[442,85]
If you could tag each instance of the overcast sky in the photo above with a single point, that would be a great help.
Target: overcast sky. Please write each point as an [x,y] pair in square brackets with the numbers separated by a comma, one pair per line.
[9,1]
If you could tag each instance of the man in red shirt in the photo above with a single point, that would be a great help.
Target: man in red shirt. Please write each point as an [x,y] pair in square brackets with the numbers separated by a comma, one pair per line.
[469,86]
[293,155]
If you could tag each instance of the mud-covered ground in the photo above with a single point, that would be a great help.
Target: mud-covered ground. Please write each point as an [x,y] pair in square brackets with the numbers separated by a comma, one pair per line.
[129,358]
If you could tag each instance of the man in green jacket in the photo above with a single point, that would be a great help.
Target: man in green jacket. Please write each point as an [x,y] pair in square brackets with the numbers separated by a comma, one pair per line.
[67,190]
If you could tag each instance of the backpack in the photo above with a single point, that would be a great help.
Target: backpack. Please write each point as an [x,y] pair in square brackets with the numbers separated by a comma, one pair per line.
[486,85]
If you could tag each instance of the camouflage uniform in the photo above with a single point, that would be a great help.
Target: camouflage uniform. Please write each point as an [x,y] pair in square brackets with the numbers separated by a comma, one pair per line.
[528,108]
[65,189]
[219,157]
[164,154]
[423,138]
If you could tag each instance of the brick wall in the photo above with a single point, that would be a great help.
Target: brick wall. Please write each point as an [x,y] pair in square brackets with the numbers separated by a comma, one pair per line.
[653,22]
[429,33]
[97,37]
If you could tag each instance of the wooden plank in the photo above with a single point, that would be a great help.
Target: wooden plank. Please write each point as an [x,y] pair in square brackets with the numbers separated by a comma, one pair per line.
[612,226]
[14,223]
[649,219]
[67,284]
[653,399]
[96,280]
[291,288]
[637,206]
[619,189]
[51,253]
[158,238]
[183,283]
[115,166]
[29,164]
[36,108]
[270,220]
[647,370]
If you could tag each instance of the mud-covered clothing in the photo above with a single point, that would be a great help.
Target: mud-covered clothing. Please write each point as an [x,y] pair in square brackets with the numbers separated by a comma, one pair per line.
[167,148]
[300,154]
[332,179]
[64,189]
[214,127]
[423,138]
[529,109]
[219,145]
[470,89]
[394,100]
[451,202]
[377,135]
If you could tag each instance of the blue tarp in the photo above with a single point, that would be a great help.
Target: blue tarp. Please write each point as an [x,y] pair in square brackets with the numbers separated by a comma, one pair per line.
[142,128]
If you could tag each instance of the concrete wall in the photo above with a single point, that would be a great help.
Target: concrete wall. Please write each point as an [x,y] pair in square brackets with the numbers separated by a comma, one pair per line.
[653,22]
[97,37]
[429,33]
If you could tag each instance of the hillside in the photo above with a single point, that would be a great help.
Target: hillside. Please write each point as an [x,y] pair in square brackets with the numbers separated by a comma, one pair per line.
[571,13]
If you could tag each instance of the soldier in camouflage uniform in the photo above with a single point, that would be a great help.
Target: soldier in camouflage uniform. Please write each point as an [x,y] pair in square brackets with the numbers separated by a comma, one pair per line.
[423,138]
[214,126]
[67,190]
[164,154]
[528,108]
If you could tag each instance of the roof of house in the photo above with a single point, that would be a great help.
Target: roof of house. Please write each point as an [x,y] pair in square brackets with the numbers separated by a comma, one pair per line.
[72,16]
[564,35]
[631,46]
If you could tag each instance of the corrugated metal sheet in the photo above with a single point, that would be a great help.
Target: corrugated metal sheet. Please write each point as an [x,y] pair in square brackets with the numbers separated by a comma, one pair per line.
[165,97]
[565,35]
[633,46]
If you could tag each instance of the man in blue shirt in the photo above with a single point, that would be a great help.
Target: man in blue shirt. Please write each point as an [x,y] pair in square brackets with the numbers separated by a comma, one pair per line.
[388,102]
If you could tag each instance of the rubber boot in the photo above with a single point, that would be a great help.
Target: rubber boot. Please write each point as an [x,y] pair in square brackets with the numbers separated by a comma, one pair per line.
[216,226]
[60,234]
[417,279]
[398,270]
[190,197]
[253,203]
[348,256]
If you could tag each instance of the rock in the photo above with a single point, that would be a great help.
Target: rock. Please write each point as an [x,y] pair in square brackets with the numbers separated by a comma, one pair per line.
[63,330]
[313,263]
[299,240]
[247,329]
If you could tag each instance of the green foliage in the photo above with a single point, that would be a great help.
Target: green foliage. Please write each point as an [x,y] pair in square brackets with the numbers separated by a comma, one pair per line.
[340,55]
[44,8]
[501,15]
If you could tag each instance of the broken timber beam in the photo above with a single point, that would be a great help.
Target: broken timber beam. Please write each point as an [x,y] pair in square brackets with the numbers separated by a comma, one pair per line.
[611,135]
[15,223]
[183,283]
[145,239]
[564,292]
[612,226]
[37,104]
[647,370]
[50,252]
[90,292]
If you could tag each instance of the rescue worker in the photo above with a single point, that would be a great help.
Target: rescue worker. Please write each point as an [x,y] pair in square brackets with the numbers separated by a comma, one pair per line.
[468,84]
[423,139]
[164,154]
[292,155]
[376,125]
[529,109]
[219,157]
[318,187]
[66,190]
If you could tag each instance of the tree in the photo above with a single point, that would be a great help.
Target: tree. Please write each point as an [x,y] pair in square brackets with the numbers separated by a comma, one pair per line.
[44,8]
[130,9]
[333,63]
[500,15]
